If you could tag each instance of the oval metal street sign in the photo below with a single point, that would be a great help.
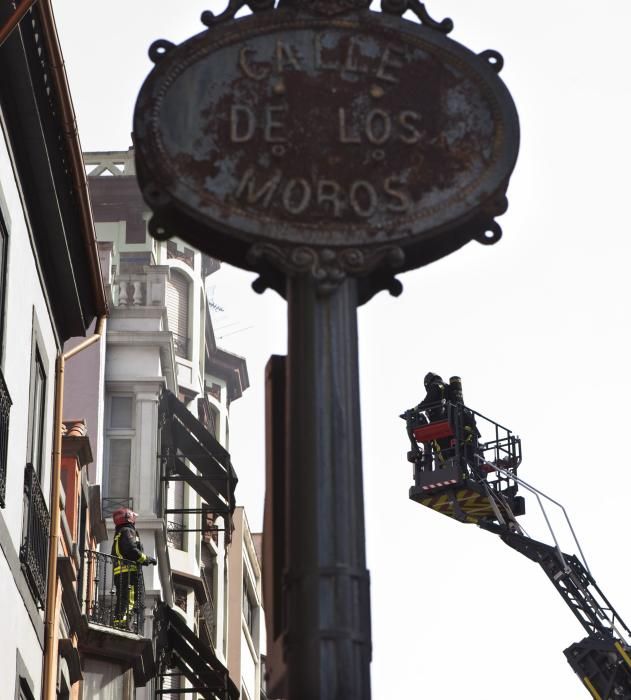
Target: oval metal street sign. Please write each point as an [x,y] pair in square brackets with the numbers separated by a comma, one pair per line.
[289,130]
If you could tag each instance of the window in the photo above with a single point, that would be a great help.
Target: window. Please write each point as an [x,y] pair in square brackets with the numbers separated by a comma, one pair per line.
[121,412]
[120,438]
[23,682]
[36,520]
[176,524]
[177,312]
[120,467]
[104,679]
[5,408]
[24,692]
[37,413]
[215,424]
[248,608]
[180,597]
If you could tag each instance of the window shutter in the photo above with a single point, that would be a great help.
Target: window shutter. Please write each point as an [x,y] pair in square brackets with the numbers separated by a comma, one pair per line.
[120,463]
[177,304]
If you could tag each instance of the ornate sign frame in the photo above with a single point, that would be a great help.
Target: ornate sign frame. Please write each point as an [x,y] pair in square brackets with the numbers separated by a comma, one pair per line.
[326,139]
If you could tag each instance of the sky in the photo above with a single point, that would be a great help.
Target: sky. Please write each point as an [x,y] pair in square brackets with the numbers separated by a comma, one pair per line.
[537,326]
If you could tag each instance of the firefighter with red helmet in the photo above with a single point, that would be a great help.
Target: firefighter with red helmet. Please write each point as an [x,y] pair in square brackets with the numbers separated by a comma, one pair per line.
[128,552]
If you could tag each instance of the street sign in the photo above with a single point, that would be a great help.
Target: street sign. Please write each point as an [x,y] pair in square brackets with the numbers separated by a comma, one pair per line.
[336,144]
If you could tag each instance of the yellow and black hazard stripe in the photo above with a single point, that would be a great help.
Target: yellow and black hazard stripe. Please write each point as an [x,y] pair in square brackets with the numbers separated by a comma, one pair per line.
[624,654]
[590,686]
[465,505]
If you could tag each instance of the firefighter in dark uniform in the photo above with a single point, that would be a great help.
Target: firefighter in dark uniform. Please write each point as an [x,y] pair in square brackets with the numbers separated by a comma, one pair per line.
[436,393]
[434,405]
[129,556]
[469,428]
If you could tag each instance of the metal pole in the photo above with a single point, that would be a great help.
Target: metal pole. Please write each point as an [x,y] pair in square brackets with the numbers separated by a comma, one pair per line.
[328,646]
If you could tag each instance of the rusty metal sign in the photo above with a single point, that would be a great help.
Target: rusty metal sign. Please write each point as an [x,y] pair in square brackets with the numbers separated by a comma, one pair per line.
[331,144]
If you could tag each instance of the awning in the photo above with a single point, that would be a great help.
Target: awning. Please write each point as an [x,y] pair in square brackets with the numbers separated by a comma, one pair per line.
[183,437]
[178,646]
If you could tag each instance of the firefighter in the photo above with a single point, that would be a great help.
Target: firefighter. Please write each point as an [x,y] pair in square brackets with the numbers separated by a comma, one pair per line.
[434,405]
[469,428]
[436,393]
[128,553]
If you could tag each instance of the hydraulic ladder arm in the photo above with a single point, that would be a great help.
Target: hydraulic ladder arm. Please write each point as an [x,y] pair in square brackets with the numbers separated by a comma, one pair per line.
[603,659]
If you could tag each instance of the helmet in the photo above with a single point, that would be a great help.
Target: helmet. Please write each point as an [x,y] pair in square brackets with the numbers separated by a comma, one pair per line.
[431,377]
[124,515]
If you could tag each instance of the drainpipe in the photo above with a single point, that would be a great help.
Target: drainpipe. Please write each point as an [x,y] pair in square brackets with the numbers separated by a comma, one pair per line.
[21,9]
[49,691]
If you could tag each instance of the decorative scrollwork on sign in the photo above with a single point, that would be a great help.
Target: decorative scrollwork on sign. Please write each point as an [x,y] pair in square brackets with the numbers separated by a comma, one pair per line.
[158,229]
[491,234]
[493,58]
[210,19]
[159,49]
[400,7]
[327,8]
[328,267]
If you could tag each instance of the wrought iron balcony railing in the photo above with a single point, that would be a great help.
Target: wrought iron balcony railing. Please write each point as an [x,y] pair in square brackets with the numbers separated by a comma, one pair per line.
[5,408]
[115,592]
[208,617]
[175,535]
[34,549]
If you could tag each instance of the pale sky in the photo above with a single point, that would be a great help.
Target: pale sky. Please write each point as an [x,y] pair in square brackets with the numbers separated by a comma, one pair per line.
[537,326]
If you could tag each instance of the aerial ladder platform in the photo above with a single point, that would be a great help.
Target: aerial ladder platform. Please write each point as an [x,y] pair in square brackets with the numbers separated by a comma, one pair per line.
[465,467]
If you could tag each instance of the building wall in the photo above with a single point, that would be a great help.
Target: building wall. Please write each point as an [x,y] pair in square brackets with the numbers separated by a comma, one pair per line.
[139,363]
[26,320]
[84,383]
[245,626]
[143,356]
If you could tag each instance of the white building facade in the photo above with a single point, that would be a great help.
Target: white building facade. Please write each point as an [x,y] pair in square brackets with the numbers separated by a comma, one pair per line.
[50,291]
[164,437]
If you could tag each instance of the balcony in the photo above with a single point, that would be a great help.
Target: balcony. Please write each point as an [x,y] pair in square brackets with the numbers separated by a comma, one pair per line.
[190,453]
[34,549]
[141,286]
[115,593]
[5,407]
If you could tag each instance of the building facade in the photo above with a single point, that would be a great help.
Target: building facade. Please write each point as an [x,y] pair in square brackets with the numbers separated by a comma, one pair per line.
[50,291]
[164,438]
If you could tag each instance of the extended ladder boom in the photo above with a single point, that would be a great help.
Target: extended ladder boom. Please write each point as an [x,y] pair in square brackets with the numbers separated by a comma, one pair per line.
[576,586]
[603,659]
